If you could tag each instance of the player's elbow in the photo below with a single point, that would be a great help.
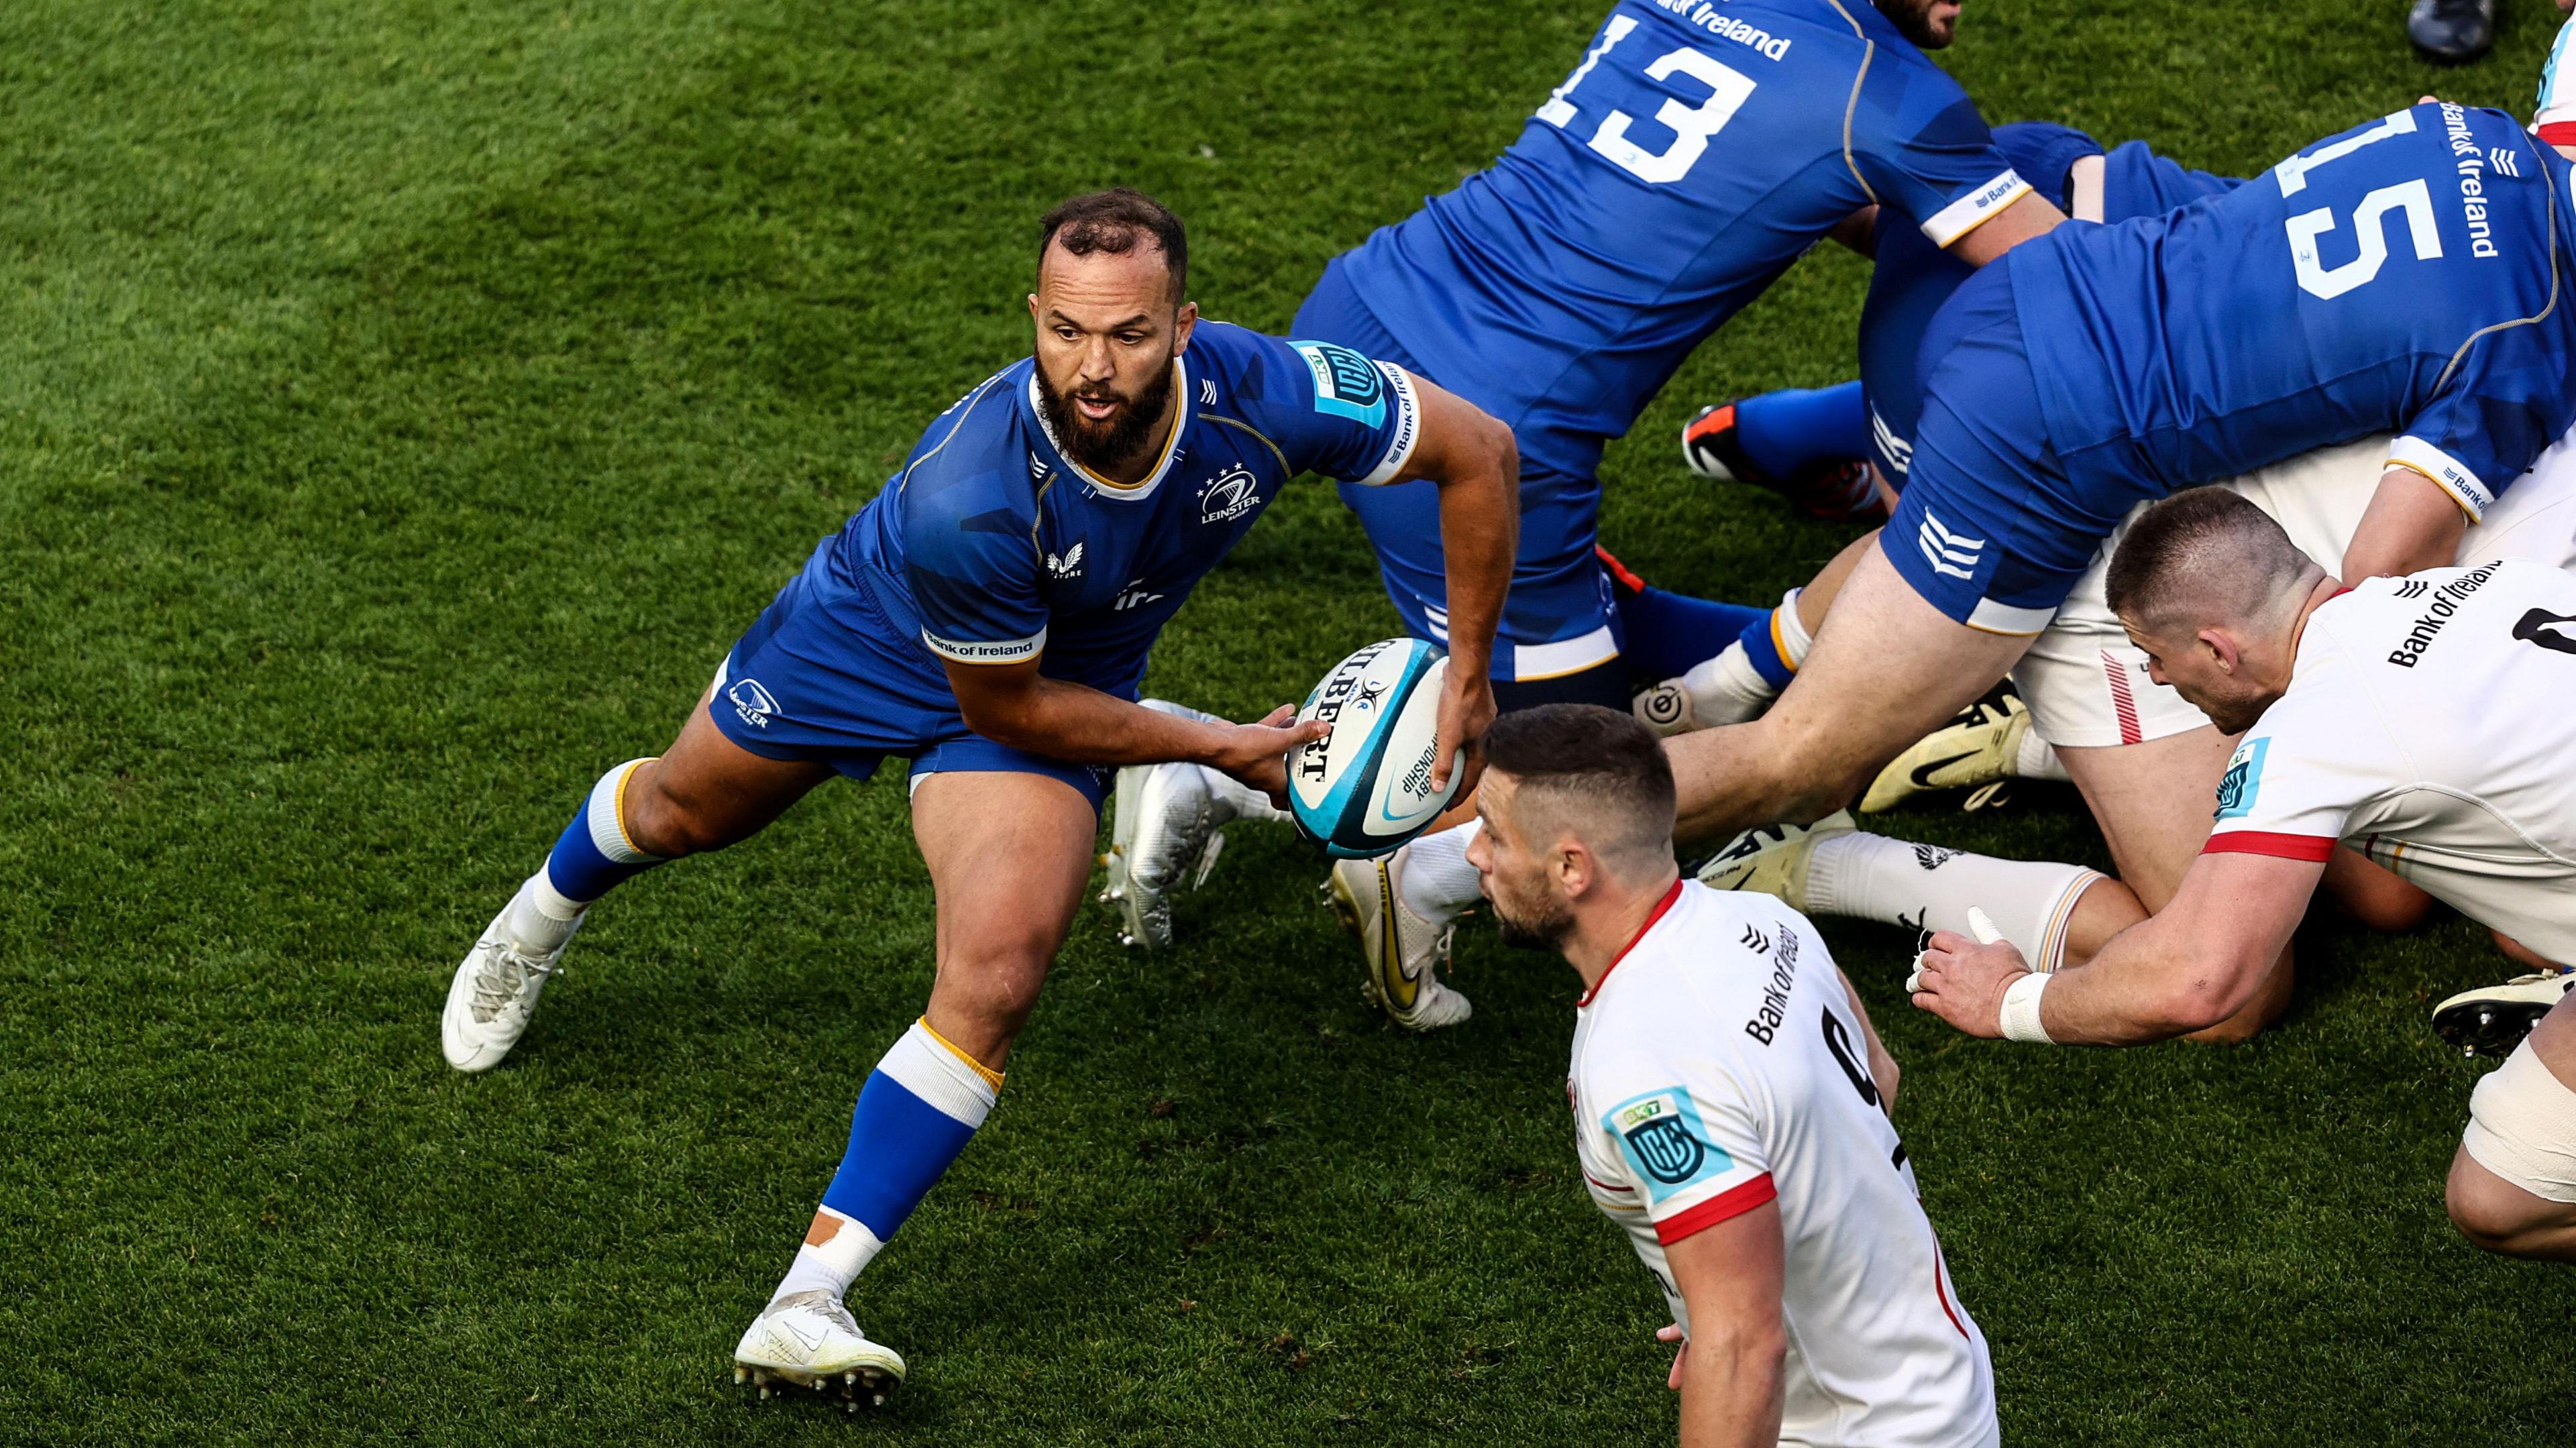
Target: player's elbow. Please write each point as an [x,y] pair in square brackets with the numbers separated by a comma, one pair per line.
[2213,990]
[1005,716]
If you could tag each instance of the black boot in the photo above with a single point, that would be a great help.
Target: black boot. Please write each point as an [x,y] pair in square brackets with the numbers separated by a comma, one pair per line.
[2452,31]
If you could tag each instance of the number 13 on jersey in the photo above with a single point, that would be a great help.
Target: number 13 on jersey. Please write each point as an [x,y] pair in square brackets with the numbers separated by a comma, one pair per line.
[1692,126]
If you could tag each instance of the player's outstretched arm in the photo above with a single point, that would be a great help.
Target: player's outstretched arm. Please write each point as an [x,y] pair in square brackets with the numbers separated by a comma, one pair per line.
[1477,466]
[2033,215]
[1729,1372]
[2410,525]
[2191,965]
[1014,704]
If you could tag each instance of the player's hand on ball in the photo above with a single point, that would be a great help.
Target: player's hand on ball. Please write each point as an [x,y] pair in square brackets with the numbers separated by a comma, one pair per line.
[1672,1332]
[1963,982]
[1257,754]
[1466,712]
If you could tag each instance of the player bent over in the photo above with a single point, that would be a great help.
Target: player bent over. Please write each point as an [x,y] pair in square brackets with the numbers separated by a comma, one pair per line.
[987,616]
[2422,720]
[1730,1111]
[1660,189]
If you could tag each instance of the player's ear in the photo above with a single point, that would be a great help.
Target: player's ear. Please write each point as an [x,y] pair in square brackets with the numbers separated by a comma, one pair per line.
[2221,648]
[1184,322]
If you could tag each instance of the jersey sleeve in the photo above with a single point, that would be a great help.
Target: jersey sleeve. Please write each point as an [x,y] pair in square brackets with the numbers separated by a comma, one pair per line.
[972,558]
[1919,145]
[2504,402]
[2299,776]
[1690,1146]
[1332,411]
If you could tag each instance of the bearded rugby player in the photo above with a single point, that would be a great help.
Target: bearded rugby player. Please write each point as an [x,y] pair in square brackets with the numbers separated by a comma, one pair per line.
[987,617]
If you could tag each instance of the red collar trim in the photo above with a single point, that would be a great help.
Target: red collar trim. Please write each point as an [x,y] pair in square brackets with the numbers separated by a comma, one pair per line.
[1661,906]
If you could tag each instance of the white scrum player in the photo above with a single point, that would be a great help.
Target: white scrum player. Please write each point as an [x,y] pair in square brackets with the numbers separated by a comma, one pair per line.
[2428,721]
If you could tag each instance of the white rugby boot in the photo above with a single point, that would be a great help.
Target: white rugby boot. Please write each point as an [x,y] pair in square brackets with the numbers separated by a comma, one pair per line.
[1773,859]
[2491,1020]
[1164,827]
[1974,752]
[494,995]
[1401,948]
[1164,823]
[809,1340]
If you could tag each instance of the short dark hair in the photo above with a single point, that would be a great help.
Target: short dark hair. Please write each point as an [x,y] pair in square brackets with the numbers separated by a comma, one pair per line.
[2204,547]
[1113,221]
[1595,765]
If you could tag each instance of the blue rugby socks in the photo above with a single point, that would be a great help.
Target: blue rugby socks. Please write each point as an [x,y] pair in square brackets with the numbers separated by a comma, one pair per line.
[917,1111]
[1796,427]
[1668,632]
[593,856]
[1743,679]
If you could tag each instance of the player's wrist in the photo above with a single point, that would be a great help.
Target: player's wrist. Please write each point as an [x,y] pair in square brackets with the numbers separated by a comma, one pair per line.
[2019,1018]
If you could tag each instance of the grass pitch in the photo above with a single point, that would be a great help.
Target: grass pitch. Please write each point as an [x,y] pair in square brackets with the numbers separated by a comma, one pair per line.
[402,406]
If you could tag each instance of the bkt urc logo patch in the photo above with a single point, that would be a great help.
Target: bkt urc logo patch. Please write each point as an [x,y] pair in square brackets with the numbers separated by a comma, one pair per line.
[1661,1135]
[2244,780]
[1346,383]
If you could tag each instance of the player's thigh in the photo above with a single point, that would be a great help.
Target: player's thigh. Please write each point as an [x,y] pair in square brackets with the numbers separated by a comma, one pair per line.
[706,791]
[2152,803]
[1886,669]
[1009,854]
[2519,1122]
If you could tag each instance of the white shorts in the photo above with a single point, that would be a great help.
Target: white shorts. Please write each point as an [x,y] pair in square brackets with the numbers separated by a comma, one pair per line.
[2522,1127]
[2086,684]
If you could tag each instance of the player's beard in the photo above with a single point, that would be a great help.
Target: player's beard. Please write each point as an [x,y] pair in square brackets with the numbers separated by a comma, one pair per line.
[1539,925]
[1914,19]
[1104,446]
[2233,713]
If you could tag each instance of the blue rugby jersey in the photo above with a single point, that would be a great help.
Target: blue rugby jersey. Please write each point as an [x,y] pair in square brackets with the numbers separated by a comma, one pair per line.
[1694,153]
[1911,278]
[2405,277]
[990,546]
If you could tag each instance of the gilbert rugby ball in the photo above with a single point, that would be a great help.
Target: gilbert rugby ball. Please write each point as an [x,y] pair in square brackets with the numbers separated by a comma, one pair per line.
[1366,788]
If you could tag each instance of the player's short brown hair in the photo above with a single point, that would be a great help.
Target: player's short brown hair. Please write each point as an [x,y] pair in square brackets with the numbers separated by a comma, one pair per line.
[1114,221]
[2207,551]
[1595,771]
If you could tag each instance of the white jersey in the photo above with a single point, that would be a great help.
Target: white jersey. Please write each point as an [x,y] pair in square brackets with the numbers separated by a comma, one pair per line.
[1718,1066]
[2431,723]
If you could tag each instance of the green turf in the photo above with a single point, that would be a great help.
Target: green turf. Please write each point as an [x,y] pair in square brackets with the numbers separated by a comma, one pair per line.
[402,405]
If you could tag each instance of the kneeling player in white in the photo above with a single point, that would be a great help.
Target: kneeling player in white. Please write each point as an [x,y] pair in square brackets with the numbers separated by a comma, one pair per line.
[2144,758]
[2422,720]
[1730,1103]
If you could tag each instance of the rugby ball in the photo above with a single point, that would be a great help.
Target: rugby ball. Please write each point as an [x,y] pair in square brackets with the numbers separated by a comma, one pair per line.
[1365,788]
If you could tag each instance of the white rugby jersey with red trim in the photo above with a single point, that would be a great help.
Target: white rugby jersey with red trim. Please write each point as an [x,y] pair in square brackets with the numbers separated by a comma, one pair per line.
[1718,1066]
[2430,723]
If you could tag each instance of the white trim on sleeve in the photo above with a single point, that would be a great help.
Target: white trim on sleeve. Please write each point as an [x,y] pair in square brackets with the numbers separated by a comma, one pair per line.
[2417,455]
[1408,427]
[966,651]
[1975,209]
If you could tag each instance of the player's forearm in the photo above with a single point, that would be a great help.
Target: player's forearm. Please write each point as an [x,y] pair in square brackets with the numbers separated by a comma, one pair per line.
[1085,726]
[2410,525]
[1480,536]
[2154,981]
[1731,1388]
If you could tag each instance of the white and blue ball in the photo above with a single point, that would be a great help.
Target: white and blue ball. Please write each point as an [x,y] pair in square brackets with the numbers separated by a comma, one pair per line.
[1366,788]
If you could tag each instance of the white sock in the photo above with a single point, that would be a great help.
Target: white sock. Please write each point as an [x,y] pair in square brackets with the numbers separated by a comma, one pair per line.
[1898,882]
[1793,635]
[1242,800]
[540,916]
[2035,760]
[1726,690]
[1438,882]
[833,1266]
